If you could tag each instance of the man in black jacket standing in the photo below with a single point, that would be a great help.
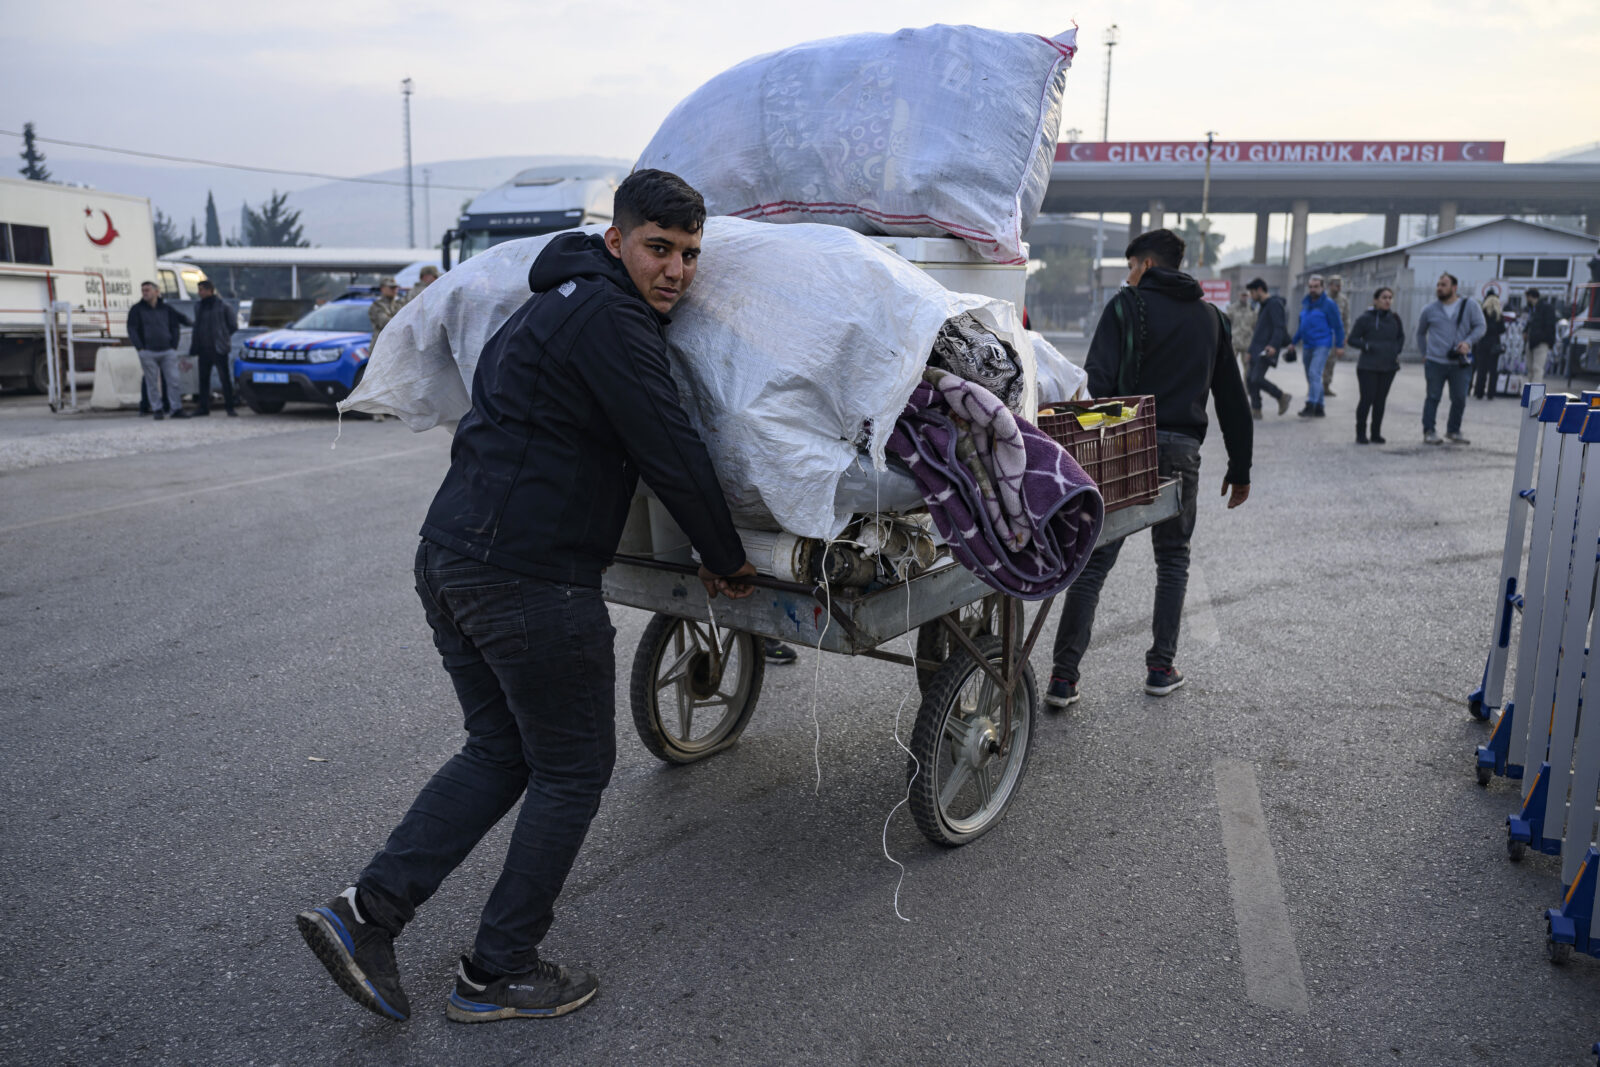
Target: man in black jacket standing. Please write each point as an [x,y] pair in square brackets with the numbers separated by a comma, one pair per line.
[1271,337]
[1539,336]
[154,328]
[210,342]
[1159,337]
[572,401]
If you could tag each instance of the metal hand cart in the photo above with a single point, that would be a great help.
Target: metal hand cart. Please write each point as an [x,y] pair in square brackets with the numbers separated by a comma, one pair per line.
[692,696]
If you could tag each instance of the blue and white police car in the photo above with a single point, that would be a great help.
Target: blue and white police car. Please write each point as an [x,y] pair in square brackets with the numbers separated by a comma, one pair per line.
[318,359]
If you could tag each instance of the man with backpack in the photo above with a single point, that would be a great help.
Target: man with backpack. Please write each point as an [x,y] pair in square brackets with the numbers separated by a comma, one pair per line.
[1160,337]
[1448,329]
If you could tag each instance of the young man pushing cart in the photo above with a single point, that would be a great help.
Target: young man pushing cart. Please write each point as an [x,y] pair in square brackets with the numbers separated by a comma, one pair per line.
[573,400]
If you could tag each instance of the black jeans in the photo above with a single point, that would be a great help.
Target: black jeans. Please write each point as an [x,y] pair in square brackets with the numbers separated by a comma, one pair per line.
[1374,393]
[1179,456]
[224,371]
[1257,382]
[1485,370]
[533,666]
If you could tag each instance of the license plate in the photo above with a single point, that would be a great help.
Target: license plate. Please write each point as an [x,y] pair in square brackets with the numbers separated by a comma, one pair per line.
[270,377]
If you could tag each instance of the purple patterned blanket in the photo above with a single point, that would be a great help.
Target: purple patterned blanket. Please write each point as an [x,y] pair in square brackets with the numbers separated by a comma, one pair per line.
[1014,507]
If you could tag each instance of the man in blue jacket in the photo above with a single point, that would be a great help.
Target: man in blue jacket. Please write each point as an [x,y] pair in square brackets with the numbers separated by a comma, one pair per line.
[154,327]
[573,400]
[1320,335]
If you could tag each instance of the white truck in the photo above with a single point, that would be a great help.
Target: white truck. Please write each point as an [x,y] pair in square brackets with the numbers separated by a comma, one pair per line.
[538,200]
[68,245]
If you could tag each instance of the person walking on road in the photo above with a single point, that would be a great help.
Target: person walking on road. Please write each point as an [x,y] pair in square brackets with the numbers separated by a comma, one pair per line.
[1242,317]
[1448,329]
[154,327]
[388,304]
[572,402]
[1379,336]
[1267,340]
[1539,335]
[1486,353]
[210,343]
[1160,337]
[1341,300]
[1319,336]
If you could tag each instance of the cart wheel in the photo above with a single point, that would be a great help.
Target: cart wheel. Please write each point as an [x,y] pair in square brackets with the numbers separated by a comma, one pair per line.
[978,618]
[707,704]
[1560,952]
[1484,774]
[960,786]
[1516,850]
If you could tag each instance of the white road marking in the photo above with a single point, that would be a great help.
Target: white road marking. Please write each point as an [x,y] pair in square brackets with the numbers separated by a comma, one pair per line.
[187,493]
[1199,617]
[1272,974]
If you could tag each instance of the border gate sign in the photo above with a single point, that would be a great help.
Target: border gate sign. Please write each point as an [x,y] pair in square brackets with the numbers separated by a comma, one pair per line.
[1337,152]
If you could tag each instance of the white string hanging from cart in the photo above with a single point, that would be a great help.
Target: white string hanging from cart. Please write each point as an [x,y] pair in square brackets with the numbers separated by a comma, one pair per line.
[909,781]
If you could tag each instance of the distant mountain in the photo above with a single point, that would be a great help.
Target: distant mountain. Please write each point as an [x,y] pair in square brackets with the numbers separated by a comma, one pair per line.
[343,214]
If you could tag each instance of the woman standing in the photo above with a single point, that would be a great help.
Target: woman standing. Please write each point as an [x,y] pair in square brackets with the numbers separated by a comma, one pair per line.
[1379,337]
[1486,354]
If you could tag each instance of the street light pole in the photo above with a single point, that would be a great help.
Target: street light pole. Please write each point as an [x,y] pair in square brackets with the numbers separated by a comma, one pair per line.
[1205,199]
[411,200]
[1105,135]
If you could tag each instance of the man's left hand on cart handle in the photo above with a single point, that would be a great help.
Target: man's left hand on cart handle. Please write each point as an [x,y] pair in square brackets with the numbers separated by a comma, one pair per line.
[729,585]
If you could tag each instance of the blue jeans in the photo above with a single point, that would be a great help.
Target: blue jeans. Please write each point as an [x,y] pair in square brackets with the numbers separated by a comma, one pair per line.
[1315,360]
[1438,375]
[1179,457]
[534,669]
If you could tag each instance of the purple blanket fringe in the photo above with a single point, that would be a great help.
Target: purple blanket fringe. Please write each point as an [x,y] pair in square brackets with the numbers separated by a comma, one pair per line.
[1014,506]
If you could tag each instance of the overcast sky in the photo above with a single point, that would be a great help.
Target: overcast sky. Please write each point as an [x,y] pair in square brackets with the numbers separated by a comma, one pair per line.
[315,85]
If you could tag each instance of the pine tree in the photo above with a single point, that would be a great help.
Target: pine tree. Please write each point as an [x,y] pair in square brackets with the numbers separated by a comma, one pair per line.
[194,237]
[274,225]
[213,227]
[167,236]
[33,160]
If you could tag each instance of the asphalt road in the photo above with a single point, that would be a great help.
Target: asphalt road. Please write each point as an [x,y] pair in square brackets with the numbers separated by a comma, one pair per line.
[218,694]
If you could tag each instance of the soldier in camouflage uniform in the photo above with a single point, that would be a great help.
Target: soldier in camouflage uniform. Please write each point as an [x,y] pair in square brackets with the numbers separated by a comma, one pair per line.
[1336,294]
[1242,314]
[384,308]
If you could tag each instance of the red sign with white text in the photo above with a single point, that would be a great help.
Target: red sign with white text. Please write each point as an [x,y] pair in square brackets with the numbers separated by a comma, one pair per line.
[1218,291]
[1283,152]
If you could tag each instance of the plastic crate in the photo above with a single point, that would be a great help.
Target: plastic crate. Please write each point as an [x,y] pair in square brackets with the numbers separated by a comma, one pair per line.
[1122,459]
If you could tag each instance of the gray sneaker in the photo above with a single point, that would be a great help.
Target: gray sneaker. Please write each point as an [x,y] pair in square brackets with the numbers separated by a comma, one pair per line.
[1456,439]
[1431,438]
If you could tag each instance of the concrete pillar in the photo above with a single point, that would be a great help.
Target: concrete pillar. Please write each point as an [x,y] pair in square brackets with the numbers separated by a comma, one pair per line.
[1263,222]
[1591,224]
[1297,250]
[1447,216]
[1158,214]
[1135,225]
[1391,229]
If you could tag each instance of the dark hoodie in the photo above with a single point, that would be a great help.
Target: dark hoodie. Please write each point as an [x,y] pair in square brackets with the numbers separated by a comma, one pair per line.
[1181,350]
[572,400]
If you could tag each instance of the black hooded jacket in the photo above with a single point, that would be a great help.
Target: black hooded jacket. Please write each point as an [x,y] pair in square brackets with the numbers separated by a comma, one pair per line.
[1182,351]
[572,400]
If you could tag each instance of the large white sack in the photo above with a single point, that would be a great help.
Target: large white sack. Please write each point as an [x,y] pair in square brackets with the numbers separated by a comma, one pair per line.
[920,133]
[421,368]
[1059,377]
[795,350]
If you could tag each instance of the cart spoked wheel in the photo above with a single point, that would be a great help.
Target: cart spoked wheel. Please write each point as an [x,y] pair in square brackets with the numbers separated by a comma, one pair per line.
[692,699]
[978,618]
[962,780]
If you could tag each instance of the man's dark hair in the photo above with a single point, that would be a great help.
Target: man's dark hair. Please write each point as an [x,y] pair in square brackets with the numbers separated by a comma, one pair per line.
[207,285]
[152,285]
[1380,290]
[659,197]
[1531,294]
[1453,279]
[1163,246]
[1256,284]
